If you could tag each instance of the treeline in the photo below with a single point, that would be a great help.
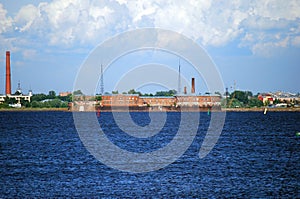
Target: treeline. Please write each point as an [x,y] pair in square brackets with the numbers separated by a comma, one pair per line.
[235,99]
[158,93]
[41,100]
[241,99]
[51,100]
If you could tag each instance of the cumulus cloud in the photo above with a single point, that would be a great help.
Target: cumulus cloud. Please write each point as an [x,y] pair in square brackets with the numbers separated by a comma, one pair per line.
[5,22]
[259,25]
[26,17]
[66,22]
[267,49]
[276,9]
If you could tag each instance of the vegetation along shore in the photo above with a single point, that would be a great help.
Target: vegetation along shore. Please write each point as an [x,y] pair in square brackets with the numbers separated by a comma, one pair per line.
[241,101]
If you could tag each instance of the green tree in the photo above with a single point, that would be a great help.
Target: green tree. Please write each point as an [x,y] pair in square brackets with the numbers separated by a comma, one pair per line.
[242,96]
[51,94]
[115,92]
[35,104]
[132,92]
[147,94]
[4,105]
[38,97]
[254,102]
[236,104]
[172,92]
[45,104]
[54,103]
[166,93]
[98,97]
[78,92]
[25,103]
[64,105]
[10,100]
[277,101]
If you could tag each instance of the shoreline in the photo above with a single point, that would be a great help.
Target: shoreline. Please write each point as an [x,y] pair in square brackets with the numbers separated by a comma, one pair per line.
[222,110]
[34,110]
[261,109]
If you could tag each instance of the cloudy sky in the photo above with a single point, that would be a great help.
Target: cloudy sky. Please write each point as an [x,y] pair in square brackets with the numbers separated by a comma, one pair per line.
[255,44]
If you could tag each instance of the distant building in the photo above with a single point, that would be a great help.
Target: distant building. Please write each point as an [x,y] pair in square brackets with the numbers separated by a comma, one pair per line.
[198,101]
[64,94]
[157,101]
[119,100]
[288,98]
[184,101]
[266,98]
[147,103]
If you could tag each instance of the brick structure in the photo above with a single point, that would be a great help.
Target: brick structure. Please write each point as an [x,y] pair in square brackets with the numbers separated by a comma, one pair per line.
[198,101]
[8,76]
[120,100]
[193,86]
[65,94]
[158,101]
[136,102]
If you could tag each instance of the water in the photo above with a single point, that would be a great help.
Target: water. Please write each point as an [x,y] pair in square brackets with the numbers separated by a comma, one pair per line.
[256,156]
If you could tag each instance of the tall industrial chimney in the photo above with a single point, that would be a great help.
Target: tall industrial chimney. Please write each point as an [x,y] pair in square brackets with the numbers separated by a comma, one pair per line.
[193,85]
[184,91]
[8,82]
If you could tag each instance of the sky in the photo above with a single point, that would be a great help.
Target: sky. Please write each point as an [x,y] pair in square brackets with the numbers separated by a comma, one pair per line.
[255,45]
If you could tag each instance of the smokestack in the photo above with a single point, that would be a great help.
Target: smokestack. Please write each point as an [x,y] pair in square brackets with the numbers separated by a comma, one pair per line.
[8,82]
[193,85]
[184,91]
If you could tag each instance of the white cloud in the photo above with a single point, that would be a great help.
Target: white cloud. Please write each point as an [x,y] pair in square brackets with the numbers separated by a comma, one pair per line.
[5,22]
[276,9]
[67,23]
[259,23]
[26,17]
[267,49]
[140,9]
[121,2]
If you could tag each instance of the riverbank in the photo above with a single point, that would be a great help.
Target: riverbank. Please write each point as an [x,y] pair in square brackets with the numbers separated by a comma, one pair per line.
[262,109]
[32,109]
[290,109]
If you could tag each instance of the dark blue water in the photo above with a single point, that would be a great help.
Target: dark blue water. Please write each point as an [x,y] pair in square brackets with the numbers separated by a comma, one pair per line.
[257,155]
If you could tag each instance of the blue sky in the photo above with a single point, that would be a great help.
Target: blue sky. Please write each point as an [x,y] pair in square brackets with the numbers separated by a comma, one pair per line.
[253,43]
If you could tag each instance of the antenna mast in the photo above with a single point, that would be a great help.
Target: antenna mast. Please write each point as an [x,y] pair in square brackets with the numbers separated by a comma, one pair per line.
[179,79]
[101,81]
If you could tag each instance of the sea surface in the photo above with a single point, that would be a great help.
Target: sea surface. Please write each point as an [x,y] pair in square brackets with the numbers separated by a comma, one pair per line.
[256,156]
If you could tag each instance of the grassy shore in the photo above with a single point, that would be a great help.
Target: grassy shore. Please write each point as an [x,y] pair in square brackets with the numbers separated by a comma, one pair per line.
[33,109]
